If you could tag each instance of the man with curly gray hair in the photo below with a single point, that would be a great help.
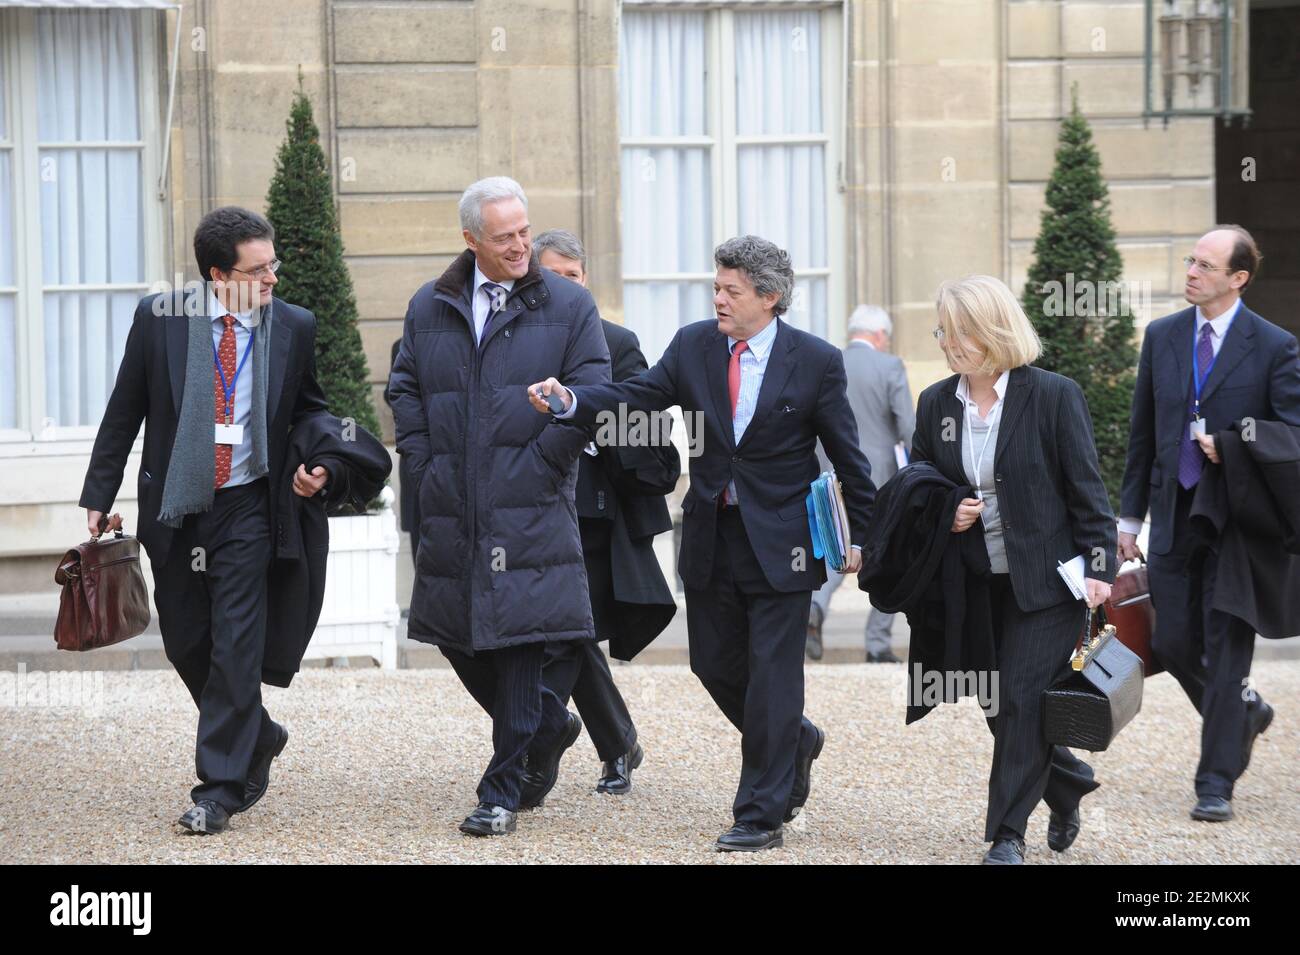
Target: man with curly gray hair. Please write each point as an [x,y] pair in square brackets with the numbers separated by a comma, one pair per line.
[765,392]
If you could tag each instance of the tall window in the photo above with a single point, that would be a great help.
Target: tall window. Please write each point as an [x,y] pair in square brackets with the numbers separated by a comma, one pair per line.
[730,124]
[8,289]
[79,226]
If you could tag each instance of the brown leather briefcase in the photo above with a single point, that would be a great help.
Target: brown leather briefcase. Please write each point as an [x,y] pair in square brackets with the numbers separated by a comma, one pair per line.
[104,598]
[1131,611]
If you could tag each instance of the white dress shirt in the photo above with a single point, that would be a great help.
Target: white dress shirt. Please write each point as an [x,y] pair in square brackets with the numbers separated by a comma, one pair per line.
[482,300]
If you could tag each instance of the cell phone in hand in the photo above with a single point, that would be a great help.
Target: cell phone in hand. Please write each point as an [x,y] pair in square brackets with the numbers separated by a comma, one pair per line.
[554,402]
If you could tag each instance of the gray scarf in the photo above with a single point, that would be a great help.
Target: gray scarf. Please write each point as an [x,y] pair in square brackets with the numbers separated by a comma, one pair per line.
[192,469]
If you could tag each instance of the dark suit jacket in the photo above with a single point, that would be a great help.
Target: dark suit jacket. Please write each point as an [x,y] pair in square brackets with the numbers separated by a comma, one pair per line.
[1051,498]
[1256,375]
[633,479]
[149,387]
[626,486]
[408,504]
[803,398]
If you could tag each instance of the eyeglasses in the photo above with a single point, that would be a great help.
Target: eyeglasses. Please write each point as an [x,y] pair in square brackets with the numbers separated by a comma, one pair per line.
[262,271]
[1192,262]
[940,334]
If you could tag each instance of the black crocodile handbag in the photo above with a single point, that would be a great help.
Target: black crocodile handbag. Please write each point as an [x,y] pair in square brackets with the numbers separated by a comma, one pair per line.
[1103,691]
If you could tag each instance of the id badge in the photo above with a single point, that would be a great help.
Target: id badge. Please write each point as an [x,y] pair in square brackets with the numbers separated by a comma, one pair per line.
[1196,427]
[232,434]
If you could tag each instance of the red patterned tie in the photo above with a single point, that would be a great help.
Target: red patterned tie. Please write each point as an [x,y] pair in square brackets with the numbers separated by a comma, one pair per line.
[733,375]
[733,386]
[227,353]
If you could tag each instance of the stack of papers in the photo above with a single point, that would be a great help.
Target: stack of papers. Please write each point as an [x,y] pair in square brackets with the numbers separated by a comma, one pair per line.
[1072,574]
[829,521]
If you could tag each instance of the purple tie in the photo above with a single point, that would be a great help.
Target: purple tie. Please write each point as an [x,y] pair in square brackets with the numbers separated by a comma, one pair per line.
[1191,459]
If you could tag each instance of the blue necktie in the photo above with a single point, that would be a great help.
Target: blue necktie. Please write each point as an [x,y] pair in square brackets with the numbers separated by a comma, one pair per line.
[1191,459]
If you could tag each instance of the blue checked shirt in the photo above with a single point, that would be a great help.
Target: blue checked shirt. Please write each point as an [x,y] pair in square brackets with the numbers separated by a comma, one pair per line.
[753,365]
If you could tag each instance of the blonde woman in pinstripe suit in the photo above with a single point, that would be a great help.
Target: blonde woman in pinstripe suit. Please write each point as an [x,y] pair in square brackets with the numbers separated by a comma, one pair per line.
[1023,438]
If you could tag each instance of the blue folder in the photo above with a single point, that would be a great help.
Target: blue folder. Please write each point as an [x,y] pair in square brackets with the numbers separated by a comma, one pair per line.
[828,521]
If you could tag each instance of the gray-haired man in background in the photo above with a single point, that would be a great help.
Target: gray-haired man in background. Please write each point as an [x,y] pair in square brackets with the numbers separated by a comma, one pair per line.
[882,405]
[620,502]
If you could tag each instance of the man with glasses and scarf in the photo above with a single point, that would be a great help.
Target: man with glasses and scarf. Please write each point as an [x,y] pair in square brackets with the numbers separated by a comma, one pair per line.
[218,373]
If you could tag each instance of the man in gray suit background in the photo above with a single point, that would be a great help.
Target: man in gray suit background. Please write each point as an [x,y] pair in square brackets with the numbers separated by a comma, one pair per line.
[882,405]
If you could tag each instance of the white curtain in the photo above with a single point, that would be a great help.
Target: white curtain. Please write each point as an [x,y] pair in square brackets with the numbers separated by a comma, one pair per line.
[666,191]
[8,338]
[783,185]
[91,203]
[8,330]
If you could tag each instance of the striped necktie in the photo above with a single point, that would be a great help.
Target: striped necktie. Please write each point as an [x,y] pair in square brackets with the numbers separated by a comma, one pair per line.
[496,297]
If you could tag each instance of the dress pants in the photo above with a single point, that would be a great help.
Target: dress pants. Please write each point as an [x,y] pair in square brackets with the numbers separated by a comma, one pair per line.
[746,646]
[879,637]
[578,669]
[211,599]
[507,683]
[1033,652]
[1208,652]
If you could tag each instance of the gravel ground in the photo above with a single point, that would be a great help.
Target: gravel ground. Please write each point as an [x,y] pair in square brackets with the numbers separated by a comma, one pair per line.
[381,767]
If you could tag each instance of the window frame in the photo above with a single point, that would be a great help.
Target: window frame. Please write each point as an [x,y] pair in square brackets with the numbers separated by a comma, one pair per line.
[723,142]
[18,35]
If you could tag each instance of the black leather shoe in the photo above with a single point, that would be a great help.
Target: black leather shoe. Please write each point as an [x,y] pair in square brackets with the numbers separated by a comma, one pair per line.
[1212,809]
[884,656]
[616,776]
[1005,852]
[206,817]
[541,774]
[803,775]
[1062,830]
[813,644]
[259,773]
[1257,720]
[747,837]
[489,820]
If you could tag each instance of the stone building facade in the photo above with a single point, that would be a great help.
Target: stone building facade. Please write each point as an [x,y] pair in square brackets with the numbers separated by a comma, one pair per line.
[928,127]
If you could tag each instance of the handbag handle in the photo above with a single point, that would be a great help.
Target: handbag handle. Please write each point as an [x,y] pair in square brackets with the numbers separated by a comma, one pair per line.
[1091,641]
[107,523]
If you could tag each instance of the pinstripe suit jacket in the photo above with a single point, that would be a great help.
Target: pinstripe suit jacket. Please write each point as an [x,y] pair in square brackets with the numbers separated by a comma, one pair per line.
[1051,498]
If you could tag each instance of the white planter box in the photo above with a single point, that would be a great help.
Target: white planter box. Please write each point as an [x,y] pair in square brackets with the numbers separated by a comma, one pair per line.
[359,616]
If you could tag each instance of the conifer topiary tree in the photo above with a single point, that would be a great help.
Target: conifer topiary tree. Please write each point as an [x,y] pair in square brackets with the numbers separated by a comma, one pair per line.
[300,205]
[1074,297]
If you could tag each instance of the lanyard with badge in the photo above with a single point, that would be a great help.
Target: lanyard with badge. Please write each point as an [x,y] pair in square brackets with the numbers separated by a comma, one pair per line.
[1197,425]
[227,431]
[977,463]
